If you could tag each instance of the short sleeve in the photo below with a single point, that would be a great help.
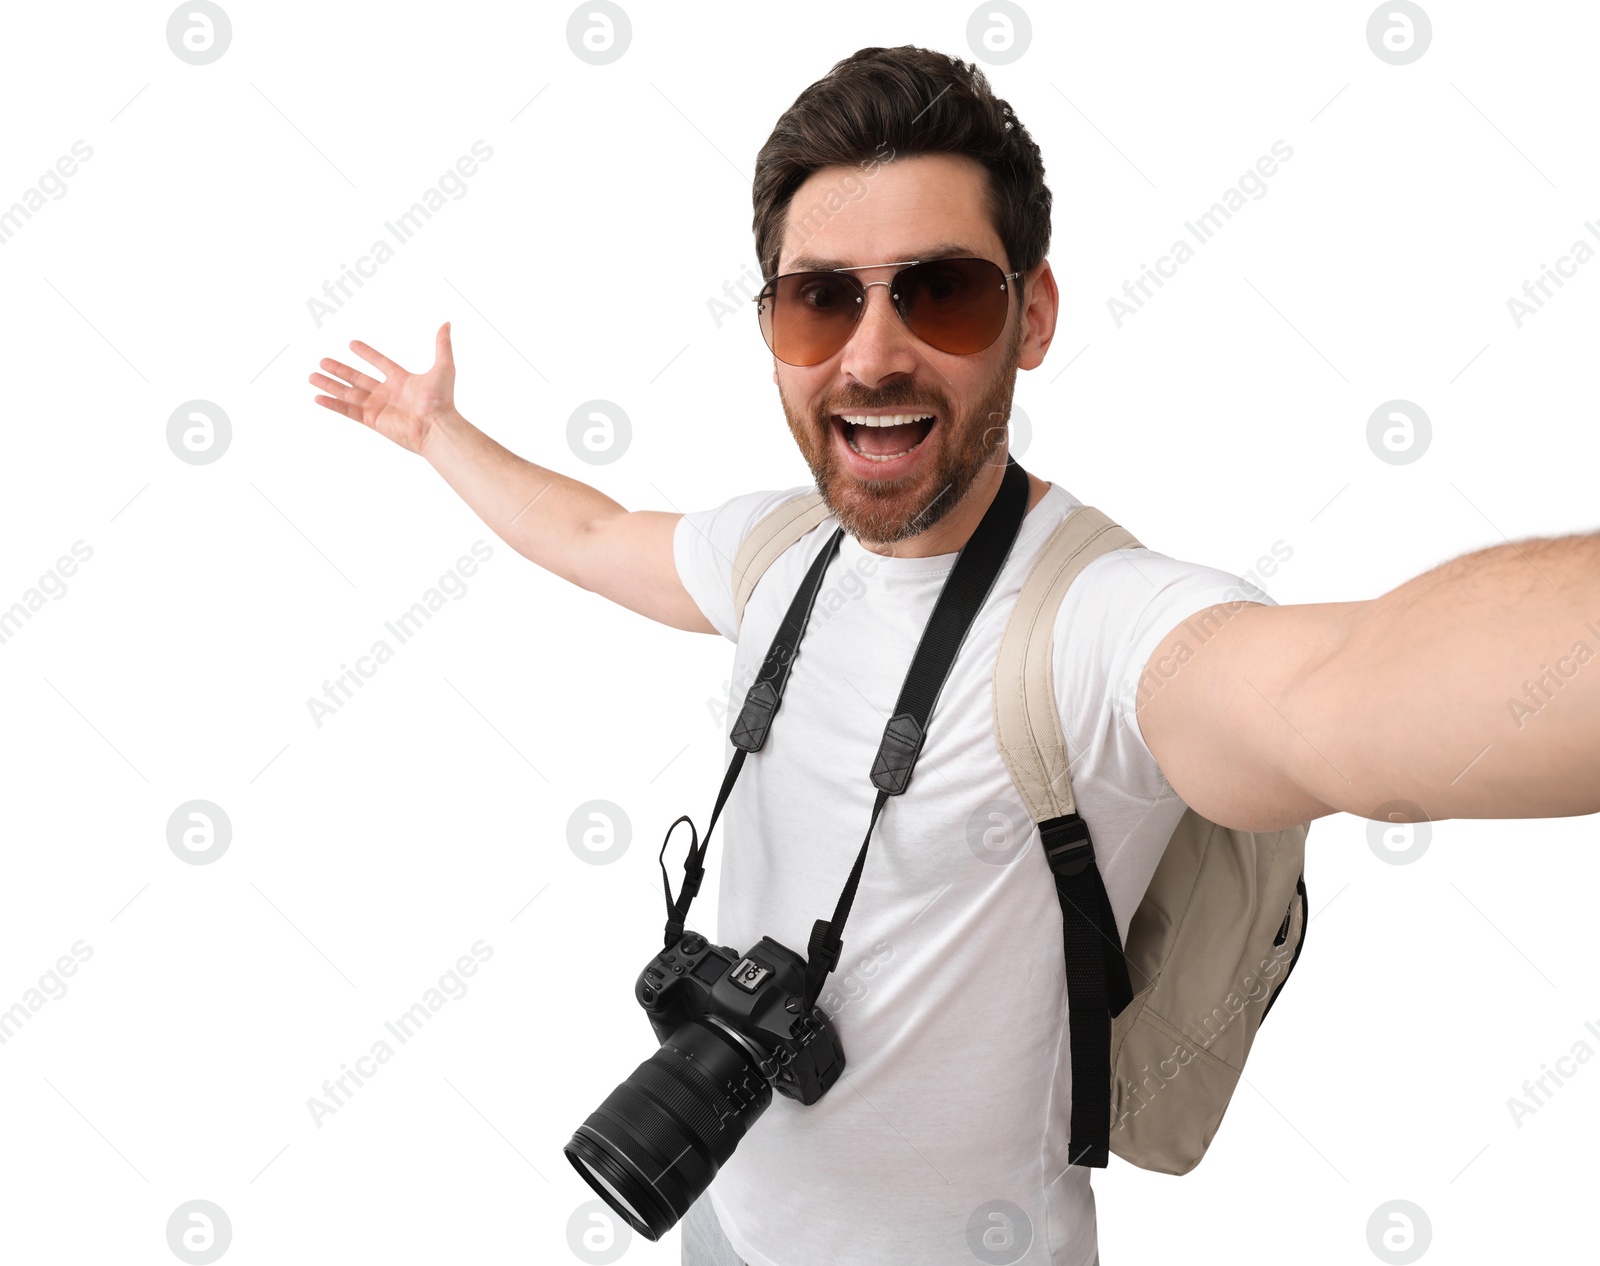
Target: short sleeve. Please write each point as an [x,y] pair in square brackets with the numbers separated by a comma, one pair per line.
[704,544]
[1118,610]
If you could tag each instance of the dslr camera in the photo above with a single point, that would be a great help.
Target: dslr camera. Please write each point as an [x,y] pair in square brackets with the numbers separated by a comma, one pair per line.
[732,1027]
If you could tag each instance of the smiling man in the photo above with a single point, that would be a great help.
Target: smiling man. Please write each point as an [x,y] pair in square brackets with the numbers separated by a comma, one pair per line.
[898,321]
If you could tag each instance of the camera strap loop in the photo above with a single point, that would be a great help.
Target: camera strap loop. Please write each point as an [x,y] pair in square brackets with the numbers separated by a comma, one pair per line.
[694,869]
[691,879]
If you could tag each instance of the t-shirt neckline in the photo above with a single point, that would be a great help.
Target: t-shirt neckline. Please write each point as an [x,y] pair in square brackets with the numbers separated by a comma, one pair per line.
[852,552]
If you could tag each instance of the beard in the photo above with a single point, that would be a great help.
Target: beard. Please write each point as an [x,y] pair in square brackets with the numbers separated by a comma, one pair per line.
[966,440]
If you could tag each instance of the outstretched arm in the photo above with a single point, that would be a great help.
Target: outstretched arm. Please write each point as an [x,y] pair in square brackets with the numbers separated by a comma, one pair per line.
[567,527]
[1471,691]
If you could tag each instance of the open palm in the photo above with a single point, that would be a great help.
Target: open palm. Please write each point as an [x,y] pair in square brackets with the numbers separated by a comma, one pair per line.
[401,406]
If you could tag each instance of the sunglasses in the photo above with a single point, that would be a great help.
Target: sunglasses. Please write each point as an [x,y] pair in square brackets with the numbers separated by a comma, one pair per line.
[953,305]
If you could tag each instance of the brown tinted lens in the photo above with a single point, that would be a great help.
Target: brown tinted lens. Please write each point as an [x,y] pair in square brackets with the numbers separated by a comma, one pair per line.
[956,305]
[807,317]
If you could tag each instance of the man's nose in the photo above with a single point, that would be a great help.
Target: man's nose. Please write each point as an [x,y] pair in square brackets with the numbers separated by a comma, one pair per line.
[880,345]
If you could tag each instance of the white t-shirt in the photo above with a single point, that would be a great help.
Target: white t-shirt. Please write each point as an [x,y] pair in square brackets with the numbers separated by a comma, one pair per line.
[950,993]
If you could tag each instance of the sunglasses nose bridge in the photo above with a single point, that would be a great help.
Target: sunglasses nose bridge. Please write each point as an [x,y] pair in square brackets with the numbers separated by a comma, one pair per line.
[896,316]
[866,295]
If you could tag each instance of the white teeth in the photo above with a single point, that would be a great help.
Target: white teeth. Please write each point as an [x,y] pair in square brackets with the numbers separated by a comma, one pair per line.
[892,419]
[878,457]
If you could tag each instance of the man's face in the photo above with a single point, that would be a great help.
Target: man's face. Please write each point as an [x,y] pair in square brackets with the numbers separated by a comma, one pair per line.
[885,484]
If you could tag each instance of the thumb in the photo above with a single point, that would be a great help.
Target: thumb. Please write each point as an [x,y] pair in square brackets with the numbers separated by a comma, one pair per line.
[442,354]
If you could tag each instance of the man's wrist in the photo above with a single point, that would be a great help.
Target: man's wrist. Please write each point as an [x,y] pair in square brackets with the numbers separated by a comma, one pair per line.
[444,429]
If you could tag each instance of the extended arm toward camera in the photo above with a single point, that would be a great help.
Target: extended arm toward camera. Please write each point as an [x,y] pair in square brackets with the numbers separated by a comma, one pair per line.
[1470,691]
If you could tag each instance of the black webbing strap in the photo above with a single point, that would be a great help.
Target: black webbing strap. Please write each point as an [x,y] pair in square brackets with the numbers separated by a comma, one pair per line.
[1097,981]
[964,591]
[761,703]
[749,733]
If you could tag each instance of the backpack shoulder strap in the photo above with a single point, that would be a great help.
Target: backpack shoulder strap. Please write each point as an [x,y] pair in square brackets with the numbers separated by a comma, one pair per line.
[1029,735]
[1027,723]
[1225,909]
[772,534]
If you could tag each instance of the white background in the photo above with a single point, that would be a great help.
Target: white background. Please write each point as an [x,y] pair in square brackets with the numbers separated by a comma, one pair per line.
[369,853]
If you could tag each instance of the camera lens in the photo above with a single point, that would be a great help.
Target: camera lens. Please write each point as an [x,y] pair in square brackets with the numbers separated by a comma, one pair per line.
[657,1141]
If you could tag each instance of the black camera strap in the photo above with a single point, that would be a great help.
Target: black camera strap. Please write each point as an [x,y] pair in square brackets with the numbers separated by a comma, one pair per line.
[963,594]
[749,733]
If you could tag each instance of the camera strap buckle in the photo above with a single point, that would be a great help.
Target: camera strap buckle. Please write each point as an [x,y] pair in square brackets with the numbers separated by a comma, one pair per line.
[824,948]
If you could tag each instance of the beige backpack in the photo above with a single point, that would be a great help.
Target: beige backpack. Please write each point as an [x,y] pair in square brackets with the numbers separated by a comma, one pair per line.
[1170,1017]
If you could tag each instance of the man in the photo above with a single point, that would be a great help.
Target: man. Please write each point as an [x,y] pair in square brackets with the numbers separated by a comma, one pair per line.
[950,997]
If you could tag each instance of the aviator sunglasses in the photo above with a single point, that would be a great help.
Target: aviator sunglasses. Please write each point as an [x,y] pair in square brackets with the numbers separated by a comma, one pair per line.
[954,305]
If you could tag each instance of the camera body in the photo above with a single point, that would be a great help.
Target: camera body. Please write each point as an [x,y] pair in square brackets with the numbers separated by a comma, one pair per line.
[757,998]
[731,1028]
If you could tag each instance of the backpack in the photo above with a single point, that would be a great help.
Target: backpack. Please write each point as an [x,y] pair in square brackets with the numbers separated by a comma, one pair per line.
[1160,1027]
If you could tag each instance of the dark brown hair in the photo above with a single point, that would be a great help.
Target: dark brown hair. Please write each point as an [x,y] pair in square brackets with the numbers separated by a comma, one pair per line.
[905,101]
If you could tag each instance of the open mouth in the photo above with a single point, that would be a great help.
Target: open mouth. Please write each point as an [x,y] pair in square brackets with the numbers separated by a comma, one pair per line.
[885,438]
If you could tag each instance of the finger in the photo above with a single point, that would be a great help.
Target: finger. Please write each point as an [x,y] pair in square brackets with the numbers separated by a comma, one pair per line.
[341,370]
[374,357]
[357,396]
[442,355]
[339,406]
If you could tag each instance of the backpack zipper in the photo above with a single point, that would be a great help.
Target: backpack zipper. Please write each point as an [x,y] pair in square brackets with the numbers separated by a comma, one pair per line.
[1305,916]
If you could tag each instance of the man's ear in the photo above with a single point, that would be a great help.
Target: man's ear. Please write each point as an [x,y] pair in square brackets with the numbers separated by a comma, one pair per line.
[1041,302]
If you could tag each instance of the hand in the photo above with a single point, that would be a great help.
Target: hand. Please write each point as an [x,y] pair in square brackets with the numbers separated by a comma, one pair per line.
[403,406]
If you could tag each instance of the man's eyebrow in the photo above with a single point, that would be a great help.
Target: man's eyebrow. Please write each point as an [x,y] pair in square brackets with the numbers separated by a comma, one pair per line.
[943,250]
